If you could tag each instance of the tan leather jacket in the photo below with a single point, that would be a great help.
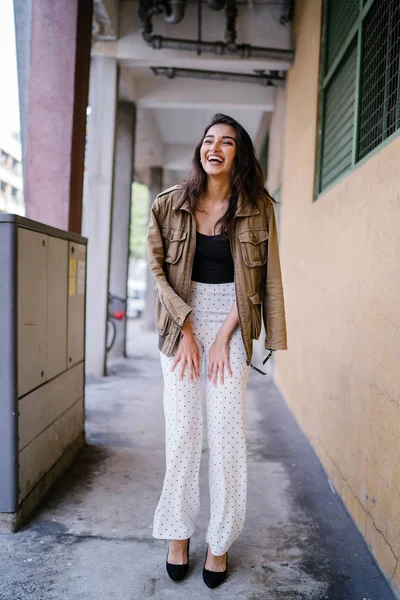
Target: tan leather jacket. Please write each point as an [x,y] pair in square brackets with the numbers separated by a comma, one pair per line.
[171,244]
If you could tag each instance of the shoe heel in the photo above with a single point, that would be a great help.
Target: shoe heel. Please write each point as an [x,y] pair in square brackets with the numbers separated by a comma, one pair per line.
[178,572]
[214,578]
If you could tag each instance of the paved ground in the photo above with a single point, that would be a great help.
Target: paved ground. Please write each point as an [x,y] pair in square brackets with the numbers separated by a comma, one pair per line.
[92,538]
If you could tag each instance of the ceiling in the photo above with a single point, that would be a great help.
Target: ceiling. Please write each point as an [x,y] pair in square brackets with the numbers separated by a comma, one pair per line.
[172,113]
[179,126]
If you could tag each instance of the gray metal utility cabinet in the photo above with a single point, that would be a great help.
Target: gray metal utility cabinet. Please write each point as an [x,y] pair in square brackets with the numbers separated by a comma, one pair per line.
[42,341]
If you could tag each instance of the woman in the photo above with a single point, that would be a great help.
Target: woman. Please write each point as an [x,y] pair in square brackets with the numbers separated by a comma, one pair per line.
[213,251]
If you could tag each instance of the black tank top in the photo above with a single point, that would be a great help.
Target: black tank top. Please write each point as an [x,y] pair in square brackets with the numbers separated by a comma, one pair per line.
[213,262]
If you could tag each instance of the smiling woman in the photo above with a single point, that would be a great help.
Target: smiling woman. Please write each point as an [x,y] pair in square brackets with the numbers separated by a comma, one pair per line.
[213,251]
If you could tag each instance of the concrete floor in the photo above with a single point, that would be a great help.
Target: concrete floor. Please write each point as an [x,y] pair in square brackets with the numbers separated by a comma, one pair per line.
[92,539]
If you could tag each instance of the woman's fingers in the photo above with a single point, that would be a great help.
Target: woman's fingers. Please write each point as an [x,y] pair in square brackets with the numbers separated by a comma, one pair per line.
[182,369]
[190,368]
[221,372]
[215,373]
[228,367]
[196,364]
[177,359]
[189,361]
[218,369]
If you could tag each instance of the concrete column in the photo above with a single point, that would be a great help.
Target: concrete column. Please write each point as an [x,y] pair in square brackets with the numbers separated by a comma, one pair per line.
[97,206]
[156,182]
[53,55]
[121,215]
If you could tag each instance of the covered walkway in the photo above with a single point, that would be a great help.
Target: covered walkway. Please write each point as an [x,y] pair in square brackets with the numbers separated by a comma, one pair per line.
[92,539]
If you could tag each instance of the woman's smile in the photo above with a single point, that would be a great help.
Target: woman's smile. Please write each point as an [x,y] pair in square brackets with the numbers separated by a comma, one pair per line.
[218,150]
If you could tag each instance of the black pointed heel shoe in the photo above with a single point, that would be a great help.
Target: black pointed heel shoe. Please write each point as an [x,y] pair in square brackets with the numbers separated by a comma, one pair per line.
[214,578]
[178,572]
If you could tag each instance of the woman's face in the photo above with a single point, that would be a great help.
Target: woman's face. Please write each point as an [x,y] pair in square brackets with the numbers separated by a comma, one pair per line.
[218,150]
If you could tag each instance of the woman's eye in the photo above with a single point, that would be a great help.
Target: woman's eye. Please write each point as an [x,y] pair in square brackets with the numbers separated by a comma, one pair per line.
[207,142]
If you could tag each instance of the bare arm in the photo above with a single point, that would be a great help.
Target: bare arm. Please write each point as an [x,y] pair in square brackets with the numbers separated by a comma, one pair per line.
[188,353]
[219,351]
[230,323]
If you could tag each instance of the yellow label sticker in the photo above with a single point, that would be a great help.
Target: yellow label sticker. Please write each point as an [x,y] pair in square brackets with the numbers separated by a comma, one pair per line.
[72,277]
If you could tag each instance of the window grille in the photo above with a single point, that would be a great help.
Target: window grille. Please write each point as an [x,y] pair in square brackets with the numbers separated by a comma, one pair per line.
[342,15]
[380,81]
[360,83]
[338,121]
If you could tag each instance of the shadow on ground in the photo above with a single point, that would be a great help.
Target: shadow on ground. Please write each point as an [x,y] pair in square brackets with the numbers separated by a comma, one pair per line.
[92,538]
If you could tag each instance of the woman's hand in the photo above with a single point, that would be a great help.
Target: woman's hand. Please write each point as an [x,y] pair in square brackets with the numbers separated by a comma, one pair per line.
[218,359]
[188,353]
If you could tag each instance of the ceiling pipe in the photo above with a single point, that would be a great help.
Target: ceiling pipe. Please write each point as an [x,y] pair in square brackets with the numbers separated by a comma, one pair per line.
[147,10]
[175,11]
[287,15]
[215,4]
[264,79]
[157,42]
[231,13]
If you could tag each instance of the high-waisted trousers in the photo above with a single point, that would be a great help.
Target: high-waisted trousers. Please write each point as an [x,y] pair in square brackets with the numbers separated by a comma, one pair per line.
[179,503]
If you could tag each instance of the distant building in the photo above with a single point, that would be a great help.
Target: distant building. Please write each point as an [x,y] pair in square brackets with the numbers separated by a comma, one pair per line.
[11,182]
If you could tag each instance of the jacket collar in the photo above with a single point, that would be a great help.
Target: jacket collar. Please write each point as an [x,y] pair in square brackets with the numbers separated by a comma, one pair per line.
[243,209]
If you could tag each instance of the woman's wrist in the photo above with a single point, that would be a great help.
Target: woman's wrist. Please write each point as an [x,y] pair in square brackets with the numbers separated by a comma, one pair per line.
[186,328]
[223,335]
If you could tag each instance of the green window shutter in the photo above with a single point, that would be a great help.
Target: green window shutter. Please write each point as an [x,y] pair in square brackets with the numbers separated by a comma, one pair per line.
[338,119]
[360,83]
[341,16]
[380,79]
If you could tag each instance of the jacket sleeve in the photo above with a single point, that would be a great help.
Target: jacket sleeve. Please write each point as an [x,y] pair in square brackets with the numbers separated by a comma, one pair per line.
[273,303]
[172,302]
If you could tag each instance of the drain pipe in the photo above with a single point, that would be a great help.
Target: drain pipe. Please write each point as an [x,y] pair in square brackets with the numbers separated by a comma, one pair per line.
[264,79]
[215,4]
[231,13]
[158,42]
[176,11]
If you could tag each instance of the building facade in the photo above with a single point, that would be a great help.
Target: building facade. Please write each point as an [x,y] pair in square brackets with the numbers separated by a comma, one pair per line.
[11,182]
[335,164]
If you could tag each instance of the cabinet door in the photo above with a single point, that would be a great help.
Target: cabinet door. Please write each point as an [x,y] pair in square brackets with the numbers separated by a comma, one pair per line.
[76,303]
[32,309]
[57,306]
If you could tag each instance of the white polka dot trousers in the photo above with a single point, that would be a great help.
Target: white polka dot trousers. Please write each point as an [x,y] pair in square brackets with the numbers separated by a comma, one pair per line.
[179,502]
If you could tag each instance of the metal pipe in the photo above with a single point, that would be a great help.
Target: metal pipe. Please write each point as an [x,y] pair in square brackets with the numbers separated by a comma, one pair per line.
[272,79]
[175,11]
[287,16]
[158,42]
[215,4]
[231,13]
[199,23]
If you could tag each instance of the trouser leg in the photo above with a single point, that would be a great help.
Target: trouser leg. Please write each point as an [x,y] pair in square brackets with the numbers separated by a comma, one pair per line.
[179,503]
[226,428]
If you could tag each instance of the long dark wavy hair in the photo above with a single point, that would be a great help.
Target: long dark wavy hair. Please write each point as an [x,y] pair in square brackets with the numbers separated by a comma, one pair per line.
[247,175]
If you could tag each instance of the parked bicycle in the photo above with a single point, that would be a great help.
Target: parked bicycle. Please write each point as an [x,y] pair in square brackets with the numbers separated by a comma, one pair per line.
[114,315]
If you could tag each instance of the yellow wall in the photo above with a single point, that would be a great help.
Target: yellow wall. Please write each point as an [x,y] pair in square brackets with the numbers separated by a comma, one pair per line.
[341,273]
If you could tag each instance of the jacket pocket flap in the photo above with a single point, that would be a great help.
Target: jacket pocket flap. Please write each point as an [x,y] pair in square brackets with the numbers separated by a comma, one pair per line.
[172,234]
[257,296]
[253,236]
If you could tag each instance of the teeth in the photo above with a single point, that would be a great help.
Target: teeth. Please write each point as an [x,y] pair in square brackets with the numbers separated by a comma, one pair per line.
[215,158]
